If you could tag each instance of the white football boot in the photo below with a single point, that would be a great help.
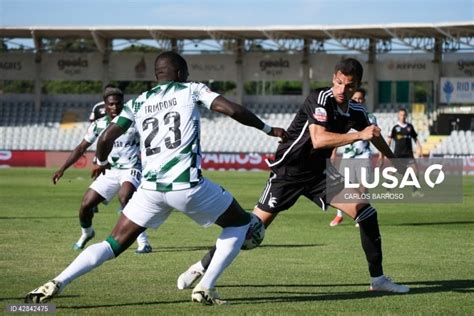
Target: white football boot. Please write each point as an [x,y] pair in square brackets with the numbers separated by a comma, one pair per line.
[206,296]
[79,245]
[188,277]
[385,284]
[44,293]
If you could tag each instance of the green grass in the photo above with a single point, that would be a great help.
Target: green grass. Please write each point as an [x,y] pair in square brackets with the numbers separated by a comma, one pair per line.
[303,267]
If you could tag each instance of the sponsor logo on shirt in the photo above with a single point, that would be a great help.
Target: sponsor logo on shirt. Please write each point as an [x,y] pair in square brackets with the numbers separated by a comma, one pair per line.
[320,115]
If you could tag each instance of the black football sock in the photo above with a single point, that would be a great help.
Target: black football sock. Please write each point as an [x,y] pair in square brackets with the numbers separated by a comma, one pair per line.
[206,260]
[371,239]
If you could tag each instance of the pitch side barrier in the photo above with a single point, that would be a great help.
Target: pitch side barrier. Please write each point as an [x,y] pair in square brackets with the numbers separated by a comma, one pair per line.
[210,160]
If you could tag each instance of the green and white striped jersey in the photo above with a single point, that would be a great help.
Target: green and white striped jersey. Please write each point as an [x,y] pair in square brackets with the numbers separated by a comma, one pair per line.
[125,153]
[361,148]
[168,121]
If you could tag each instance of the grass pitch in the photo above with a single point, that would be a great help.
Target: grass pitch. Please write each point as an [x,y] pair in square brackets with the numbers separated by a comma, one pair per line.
[303,266]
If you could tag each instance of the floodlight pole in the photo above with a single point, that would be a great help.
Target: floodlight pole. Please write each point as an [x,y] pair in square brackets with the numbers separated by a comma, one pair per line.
[38,82]
[437,59]
[239,54]
[372,92]
[305,68]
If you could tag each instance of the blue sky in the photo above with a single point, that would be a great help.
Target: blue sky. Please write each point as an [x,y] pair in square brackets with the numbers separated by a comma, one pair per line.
[230,13]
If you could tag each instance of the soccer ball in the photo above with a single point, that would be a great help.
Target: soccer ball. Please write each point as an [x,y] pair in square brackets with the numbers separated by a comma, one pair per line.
[255,233]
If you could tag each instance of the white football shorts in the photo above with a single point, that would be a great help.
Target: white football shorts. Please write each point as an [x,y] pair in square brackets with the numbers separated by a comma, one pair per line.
[203,203]
[109,184]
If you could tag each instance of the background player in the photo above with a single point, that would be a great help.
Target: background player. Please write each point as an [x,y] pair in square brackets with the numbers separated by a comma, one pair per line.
[403,133]
[123,177]
[299,169]
[97,112]
[168,121]
[359,149]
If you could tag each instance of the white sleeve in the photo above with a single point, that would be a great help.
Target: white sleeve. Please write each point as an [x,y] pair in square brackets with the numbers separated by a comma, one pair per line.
[126,117]
[204,95]
[372,118]
[91,134]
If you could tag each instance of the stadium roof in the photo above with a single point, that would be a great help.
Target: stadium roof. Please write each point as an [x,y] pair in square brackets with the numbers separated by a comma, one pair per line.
[387,31]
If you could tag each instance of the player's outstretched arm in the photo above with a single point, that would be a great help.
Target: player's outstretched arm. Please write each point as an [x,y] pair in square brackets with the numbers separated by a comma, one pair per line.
[105,144]
[242,115]
[73,157]
[383,147]
[322,138]
[419,149]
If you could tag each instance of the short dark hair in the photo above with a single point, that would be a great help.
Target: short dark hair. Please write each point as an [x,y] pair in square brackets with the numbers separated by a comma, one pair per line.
[350,67]
[402,109]
[361,90]
[176,60]
[112,91]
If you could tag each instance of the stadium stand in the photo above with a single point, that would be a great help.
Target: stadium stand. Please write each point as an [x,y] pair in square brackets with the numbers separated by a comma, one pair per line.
[458,143]
[60,125]
[24,128]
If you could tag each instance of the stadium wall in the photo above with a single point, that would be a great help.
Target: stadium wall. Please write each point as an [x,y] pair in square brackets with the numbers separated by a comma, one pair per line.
[222,67]
[210,161]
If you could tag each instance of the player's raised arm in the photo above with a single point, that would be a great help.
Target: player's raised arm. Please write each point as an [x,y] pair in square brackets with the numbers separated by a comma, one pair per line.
[383,147]
[321,138]
[242,115]
[105,144]
[73,157]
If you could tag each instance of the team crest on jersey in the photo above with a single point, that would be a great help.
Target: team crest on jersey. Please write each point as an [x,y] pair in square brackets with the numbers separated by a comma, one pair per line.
[320,115]
[397,129]
[272,201]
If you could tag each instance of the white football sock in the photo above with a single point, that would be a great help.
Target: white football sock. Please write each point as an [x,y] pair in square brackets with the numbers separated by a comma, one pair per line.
[227,248]
[339,213]
[142,239]
[87,231]
[92,257]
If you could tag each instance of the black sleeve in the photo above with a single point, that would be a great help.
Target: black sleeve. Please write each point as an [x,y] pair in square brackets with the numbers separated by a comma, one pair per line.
[316,113]
[392,134]
[361,120]
[414,135]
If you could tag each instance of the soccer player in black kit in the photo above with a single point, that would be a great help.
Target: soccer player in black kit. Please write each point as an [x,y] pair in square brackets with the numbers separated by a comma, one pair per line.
[299,168]
[403,133]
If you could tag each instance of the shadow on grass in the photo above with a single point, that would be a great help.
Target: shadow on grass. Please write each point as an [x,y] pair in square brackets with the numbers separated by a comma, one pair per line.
[37,217]
[434,223]
[22,299]
[420,287]
[201,248]
[123,304]
[291,245]
[279,296]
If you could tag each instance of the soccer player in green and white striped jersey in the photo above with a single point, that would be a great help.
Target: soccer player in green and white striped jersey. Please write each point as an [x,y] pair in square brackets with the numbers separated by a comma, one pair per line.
[123,177]
[168,121]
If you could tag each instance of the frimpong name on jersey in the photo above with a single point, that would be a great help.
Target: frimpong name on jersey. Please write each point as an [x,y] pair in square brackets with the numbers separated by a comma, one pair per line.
[168,122]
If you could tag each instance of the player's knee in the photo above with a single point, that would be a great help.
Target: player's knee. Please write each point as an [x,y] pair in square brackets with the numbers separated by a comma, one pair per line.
[87,206]
[234,216]
[117,248]
[124,198]
[123,201]
[365,212]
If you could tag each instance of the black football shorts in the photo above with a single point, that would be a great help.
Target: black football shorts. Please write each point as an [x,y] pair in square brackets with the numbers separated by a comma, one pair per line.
[280,193]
